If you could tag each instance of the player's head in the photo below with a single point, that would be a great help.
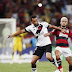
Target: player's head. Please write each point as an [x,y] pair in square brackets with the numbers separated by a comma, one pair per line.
[64,22]
[34,20]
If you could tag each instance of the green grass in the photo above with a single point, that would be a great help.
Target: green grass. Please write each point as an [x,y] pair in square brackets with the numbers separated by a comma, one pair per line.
[26,67]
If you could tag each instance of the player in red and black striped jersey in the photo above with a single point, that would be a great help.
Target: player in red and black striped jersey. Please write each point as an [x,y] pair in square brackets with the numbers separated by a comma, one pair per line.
[62,38]
[62,46]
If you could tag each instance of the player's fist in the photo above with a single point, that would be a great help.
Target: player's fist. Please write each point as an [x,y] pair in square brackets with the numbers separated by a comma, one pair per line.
[9,36]
[47,34]
[63,30]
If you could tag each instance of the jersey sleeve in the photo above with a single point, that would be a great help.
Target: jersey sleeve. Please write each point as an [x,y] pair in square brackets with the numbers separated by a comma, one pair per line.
[28,29]
[24,34]
[46,24]
[70,35]
[53,31]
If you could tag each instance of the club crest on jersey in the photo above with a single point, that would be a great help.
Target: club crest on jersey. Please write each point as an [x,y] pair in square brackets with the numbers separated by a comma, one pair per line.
[39,28]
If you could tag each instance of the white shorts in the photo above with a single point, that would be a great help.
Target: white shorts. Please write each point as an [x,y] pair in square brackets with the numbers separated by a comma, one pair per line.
[65,51]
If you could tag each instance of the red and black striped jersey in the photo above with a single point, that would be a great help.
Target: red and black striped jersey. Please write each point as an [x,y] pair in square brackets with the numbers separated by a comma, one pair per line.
[62,38]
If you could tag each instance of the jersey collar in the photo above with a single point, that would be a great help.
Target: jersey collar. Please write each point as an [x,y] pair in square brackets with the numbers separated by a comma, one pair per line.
[35,26]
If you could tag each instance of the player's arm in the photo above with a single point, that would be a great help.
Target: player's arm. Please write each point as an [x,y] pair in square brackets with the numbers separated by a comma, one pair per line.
[17,33]
[70,33]
[55,27]
[47,34]
[53,32]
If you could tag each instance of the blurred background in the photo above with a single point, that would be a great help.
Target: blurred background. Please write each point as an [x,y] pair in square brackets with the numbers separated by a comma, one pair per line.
[17,13]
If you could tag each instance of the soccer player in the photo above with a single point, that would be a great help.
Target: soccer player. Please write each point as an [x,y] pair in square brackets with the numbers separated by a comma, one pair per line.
[43,43]
[18,42]
[62,46]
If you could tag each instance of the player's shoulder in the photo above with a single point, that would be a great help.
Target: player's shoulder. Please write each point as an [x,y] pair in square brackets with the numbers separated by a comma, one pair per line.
[68,30]
[15,32]
[43,22]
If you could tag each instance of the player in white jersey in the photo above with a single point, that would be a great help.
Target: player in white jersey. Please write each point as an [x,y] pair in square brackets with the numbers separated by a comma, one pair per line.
[43,43]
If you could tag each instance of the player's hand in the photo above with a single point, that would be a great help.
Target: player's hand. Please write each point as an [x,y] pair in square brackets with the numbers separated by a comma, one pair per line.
[47,34]
[63,30]
[9,36]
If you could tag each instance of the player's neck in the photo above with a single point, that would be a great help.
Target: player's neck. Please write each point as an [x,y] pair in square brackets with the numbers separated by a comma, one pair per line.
[36,25]
[63,27]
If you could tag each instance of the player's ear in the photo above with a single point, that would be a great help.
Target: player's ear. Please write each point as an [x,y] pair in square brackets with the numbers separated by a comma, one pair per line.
[67,23]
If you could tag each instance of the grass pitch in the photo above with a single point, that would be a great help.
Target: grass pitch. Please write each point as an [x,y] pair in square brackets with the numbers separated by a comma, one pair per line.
[26,67]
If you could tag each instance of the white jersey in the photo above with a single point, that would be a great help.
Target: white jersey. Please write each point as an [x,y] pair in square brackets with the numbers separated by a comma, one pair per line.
[39,32]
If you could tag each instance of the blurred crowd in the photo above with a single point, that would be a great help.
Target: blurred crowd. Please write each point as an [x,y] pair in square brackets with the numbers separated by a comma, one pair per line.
[50,11]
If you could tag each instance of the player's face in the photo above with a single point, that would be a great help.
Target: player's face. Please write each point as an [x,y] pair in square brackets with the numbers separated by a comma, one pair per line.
[35,21]
[64,22]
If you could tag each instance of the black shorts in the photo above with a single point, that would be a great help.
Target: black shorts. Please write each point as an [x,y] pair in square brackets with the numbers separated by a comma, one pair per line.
[39,51]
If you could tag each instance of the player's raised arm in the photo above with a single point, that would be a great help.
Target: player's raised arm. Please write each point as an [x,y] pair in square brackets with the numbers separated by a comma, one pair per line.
[47,34]
[55,27]
[19,32]
[53,32]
